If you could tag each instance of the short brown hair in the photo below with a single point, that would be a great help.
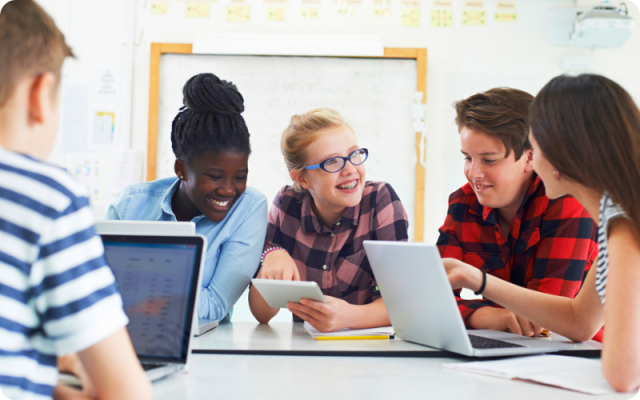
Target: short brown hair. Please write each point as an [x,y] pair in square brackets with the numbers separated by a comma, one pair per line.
[302,131]
[499,112]
[30,45]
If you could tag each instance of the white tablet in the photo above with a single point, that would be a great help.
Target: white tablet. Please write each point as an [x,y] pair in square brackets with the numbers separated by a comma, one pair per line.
[278,293]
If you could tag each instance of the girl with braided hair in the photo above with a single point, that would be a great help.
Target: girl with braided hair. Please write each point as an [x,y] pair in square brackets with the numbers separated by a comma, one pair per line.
[210,140]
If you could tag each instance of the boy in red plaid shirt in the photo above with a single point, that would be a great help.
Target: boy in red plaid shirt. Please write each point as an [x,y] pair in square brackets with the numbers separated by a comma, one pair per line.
[502,221]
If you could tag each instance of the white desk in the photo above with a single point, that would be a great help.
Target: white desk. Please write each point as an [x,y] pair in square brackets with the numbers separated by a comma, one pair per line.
[214,376]
[252,376]
[291,339]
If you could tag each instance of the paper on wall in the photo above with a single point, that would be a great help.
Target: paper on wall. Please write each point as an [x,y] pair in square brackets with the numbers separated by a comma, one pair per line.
[276,14]
[74,117]
[104,130]
[126,169]
[87,168]
[410,17]
[107,86]
[441,18]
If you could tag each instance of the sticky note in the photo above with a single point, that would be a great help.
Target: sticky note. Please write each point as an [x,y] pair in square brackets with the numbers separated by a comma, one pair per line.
[159,8]
[506,17]
[276,14]
[382,12]
[411,3]
[194,10]
[238,13]
[474,18]
[346,11]
[442,3]
[410,17]
[441,18]
[310,12]
[505,5]
[347,3]
[474,4]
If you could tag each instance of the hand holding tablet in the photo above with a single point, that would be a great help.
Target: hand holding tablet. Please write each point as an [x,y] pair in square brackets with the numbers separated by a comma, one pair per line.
[278,293]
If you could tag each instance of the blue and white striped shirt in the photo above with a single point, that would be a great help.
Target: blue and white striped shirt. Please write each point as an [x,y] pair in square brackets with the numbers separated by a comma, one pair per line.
[57,294]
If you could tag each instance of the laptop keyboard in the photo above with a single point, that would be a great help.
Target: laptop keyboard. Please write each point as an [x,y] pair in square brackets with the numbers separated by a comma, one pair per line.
[148,367]
[479,342]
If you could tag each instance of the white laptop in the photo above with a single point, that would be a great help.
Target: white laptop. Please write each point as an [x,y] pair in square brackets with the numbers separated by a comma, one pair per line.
[422,307]
[154,228]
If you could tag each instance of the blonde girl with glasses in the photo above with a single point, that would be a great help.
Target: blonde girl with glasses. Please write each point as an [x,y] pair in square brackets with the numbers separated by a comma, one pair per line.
[317,226]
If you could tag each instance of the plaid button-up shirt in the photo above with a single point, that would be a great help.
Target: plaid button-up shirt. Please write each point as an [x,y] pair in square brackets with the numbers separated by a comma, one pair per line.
[551,243]
[335,257]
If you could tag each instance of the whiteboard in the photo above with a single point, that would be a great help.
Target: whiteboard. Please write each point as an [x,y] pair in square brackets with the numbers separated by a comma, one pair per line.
[374,95]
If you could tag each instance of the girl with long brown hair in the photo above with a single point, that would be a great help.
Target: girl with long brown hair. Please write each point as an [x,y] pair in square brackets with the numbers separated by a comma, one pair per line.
[585,133]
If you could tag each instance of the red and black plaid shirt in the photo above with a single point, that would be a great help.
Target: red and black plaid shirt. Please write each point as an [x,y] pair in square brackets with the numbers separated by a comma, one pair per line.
[335,257]
[551,243]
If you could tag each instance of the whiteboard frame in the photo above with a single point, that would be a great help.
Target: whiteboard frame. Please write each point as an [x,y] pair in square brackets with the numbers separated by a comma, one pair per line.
[418,54]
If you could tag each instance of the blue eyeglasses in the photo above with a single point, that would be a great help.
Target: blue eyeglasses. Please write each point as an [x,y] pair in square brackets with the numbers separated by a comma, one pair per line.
[336,164]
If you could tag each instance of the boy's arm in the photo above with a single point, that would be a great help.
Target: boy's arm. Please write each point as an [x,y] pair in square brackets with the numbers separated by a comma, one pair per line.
[449,246]
[113,369]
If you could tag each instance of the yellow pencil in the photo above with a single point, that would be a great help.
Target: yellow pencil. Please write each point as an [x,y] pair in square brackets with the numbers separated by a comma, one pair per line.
[372,337]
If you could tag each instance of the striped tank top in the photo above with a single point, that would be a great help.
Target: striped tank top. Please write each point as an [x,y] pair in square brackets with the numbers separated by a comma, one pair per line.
[608,211]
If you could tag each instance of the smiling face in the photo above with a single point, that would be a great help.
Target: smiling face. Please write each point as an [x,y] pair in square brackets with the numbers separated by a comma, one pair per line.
[498,181]
[213,182]
[332,192]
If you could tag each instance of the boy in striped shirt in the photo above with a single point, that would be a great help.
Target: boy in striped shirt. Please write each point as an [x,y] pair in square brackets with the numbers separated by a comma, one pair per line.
[57,294]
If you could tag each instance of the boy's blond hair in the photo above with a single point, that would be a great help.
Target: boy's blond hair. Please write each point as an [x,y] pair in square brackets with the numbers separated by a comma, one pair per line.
[30,45]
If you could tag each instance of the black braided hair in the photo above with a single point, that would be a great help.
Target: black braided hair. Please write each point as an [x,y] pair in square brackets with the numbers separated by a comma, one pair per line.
[210,119]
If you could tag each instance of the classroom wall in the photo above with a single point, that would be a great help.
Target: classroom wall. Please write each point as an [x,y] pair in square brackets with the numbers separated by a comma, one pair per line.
[462,60]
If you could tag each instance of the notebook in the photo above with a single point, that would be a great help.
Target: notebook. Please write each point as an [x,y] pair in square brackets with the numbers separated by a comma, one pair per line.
[582,375]
[384,330]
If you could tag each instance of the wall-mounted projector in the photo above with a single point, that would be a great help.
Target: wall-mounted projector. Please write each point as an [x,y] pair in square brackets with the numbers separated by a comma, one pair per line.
[605,25]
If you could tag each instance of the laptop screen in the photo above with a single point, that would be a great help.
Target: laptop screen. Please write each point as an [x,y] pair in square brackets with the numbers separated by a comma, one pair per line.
[157,278]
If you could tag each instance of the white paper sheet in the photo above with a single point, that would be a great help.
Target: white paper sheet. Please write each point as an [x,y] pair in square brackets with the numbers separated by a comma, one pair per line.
[74,126]
[126,169]
[107,86]
[574,373]
[383,330]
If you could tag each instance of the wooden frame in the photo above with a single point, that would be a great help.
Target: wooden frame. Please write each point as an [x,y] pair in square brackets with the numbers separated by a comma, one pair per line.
[158,49]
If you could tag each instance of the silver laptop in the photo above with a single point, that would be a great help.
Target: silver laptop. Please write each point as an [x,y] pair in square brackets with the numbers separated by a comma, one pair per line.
[154,228]
[145,228]
[159,280]
[422,307]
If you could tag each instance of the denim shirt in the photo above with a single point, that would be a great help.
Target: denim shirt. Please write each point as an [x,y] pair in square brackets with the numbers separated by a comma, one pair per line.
[234,245]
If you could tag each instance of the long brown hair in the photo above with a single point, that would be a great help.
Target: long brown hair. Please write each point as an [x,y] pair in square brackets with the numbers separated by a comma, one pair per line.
[588,127]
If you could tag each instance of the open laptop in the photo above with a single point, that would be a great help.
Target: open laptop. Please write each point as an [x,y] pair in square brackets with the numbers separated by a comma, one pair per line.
[422,307]
[159,280]
[155,228]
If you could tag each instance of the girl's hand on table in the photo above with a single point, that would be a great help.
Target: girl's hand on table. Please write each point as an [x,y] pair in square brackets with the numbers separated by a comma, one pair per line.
[333,316]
